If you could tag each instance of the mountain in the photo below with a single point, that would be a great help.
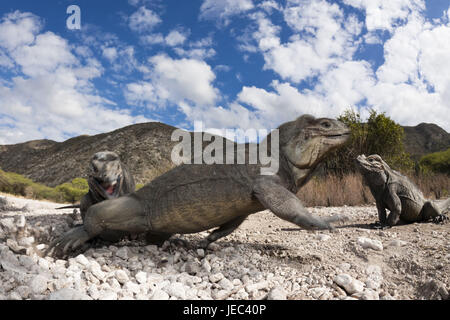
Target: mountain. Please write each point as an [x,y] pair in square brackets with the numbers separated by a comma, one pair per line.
[425,138]
[145,148]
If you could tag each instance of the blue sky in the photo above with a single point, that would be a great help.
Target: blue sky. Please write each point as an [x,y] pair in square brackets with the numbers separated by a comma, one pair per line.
[229,63]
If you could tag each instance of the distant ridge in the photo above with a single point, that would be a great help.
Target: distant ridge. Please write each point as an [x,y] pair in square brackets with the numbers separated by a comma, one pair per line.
[146,148]
[425,138]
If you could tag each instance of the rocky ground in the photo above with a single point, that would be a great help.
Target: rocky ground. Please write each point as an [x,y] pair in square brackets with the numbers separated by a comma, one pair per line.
[266,258]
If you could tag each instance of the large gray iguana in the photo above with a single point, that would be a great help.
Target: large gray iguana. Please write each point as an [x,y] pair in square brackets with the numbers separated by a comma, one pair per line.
[395,192]
[192,198]
[108,179]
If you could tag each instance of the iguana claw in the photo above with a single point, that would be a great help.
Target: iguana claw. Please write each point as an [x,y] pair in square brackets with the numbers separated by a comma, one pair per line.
[440,219]
[72,240]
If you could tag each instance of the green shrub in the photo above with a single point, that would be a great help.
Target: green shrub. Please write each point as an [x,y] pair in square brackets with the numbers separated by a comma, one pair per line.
[436,162]
[73,191]
[379,135]
[17,184]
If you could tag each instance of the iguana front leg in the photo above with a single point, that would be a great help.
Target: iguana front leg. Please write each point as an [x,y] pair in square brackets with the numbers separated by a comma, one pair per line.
[287,206]
[381,213]
[395,206]
[71,240]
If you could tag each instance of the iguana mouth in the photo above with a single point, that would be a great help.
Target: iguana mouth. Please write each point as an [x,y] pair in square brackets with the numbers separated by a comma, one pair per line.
[339,135]
[108,187]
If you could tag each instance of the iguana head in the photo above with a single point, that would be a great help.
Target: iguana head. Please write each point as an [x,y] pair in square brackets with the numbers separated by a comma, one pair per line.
[105,173]
[306,141]
[373,168]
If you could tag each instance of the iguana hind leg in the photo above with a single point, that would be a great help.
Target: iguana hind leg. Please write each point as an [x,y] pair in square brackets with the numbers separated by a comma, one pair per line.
[430,210]
[120,214]
[156,237]
[222,231]
[123,214]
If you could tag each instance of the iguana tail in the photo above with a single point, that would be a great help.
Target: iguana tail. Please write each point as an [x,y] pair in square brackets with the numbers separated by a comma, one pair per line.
[75,206]
[443,205]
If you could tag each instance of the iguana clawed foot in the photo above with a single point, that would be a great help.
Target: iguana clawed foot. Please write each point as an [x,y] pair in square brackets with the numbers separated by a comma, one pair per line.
[180,242]
[377,225]
[71,240]
[441,219]
[203,244]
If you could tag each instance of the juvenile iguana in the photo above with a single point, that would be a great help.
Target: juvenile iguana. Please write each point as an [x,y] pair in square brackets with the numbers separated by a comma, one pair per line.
[196,197]
[108,178]
[395,192]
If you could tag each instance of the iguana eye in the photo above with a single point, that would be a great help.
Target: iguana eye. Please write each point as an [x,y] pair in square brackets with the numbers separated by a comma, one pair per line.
[325,124]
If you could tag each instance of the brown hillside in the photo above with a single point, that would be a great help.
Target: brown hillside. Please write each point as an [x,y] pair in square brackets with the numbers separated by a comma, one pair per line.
[145,148]
[425,138]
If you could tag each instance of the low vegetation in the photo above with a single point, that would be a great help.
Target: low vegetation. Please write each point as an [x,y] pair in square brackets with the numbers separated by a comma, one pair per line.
[436,162]
[17,184]
[379,135]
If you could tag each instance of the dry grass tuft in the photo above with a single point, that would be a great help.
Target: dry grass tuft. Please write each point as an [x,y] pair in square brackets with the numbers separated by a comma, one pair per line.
[350,190]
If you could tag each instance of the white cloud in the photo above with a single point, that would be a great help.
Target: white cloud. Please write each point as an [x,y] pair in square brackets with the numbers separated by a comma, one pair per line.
[411,85]
[175,38]
[52,95]
[434,57]
[223,10]
[385,15]
[17,29]
[346,85]
[152,39]
[322,38]
[5,61]
[44,55]
[235,116]
[143,20]
[174,81]
[287,102]
[196,53]
[110,53]
[269,6]
[141,94]
[200,49]
[136,3]
[340,88]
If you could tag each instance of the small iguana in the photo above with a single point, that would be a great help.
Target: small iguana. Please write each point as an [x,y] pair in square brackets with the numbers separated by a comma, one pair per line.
[192,198]
[108,179]
[395,192]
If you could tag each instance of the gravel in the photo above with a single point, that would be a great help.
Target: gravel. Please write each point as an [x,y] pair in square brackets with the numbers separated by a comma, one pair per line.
[266,258]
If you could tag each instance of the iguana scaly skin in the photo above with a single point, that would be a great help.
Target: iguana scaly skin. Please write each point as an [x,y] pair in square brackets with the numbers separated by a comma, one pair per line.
[395,192]
[108,178]
[192,198]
